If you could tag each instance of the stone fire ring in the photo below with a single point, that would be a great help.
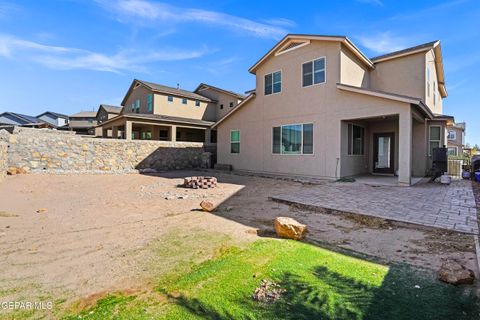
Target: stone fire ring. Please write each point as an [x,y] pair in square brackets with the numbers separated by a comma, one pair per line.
[200,182]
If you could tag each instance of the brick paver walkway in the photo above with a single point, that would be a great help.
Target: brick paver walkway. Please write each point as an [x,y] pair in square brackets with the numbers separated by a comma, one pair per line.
[430,204]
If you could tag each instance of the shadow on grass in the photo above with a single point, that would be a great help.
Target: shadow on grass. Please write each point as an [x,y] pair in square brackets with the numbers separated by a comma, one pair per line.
[341,297]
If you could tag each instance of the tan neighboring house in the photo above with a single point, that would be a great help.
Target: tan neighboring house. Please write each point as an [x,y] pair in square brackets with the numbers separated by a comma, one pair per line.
[322,108]
[106,112]
[153,111]
[456,138]
[83,122]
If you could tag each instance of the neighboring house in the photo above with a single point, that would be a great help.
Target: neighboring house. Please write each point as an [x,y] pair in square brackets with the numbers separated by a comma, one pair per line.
[83,122]
[456,138]
[322,108]
[156,112]
[57,120]
[9,119]
[106,112]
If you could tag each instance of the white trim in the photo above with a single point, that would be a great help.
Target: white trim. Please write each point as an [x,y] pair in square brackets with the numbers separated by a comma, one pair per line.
[313,72]
[294,154]
[279,51]
[454,135]
[452,147]
[281,83]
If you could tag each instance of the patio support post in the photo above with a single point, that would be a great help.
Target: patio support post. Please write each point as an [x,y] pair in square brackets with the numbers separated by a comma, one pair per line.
[173,133]
[128,130]
[208,134]
[405,148]
[114,132]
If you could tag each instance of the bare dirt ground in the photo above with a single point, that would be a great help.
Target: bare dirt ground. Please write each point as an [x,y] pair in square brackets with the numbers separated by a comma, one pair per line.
[108,232]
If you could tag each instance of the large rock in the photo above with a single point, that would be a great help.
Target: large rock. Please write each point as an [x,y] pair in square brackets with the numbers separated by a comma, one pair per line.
[207,205]
[454,273]
[290,228]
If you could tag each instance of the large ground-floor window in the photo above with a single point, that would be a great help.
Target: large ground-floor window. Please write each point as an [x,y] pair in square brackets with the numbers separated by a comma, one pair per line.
[293,139]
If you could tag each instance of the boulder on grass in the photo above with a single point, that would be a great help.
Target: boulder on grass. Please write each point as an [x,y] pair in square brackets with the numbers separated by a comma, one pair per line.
[290,228]
[454,273]
[207,205]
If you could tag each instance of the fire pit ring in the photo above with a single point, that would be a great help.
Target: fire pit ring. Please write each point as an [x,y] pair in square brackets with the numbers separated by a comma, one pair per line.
[200,182]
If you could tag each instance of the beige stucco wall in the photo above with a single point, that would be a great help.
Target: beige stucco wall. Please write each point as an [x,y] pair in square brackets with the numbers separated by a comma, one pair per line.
[140,93]
[323,105]
[222,99]
[352,71]
[437,106]
[404,75]
[458,141]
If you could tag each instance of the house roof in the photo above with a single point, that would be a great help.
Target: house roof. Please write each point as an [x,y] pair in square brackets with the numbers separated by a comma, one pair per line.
[111,109]
[238,106]
[58,115]
[84,114]
[307,37]
[206,86]
[432,45]
[161,118]
[23,117]
[160,88]
[388,95]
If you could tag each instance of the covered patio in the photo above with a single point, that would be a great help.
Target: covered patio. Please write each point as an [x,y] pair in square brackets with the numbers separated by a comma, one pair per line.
[157,127]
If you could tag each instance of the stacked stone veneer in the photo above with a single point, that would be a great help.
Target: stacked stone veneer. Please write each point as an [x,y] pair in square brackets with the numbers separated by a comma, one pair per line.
[3,160]
[44,150]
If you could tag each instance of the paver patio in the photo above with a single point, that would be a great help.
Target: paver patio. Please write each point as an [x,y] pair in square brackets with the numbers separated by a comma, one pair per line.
[449,207]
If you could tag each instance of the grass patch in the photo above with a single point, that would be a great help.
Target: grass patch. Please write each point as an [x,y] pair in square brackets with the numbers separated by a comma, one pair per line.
[319,284]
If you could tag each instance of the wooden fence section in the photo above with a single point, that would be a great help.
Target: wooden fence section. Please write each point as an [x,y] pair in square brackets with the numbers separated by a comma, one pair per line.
[455,167]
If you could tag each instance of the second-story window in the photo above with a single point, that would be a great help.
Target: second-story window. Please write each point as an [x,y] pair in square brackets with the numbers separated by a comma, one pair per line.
[231,104]
[184,101]
[428,81]
[313,72]
[434,92]
[221,106]
[170,99]
[197,103]
[273,83]
[452,135]
[137,106]
[150,102]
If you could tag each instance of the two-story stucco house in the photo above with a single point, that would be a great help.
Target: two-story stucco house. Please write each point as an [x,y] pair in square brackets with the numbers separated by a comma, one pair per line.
[156,112]
[321,108]
[106,112]
[456,138]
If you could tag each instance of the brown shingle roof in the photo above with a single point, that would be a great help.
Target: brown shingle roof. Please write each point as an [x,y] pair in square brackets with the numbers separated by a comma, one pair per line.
[84,114]
[407,50]
[174,91]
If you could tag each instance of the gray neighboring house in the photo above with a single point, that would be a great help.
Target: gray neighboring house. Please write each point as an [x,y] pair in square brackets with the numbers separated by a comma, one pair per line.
[83,122]
[57,120]
[11,119]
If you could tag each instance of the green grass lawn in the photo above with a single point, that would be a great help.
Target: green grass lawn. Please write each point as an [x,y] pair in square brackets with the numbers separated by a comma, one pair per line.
[319,284]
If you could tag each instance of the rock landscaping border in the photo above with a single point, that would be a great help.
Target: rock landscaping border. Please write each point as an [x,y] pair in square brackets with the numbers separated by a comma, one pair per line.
[52,151]
[3,160]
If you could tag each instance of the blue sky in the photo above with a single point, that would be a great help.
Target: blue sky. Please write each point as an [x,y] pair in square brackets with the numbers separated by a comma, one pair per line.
[72,55]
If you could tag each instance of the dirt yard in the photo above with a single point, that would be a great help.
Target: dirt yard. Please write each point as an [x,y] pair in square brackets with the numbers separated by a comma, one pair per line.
[67,237]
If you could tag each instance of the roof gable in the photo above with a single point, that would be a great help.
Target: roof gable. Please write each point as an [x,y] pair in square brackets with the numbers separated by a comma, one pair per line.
[293,41]
[54,114]
[204,86]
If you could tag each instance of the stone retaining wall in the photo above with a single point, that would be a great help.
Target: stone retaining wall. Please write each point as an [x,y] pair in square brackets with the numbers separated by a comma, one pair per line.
[3,160]
[44,150]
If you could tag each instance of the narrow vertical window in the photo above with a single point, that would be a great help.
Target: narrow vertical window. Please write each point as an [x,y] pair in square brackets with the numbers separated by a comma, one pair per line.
[231,104]
[197,103]
[434,92]
[137,106]
[434,138]
[307,139]
[276,134]
[428,81]
[235,141]
[221,107]
[356,137]
[150,102]
[268,84]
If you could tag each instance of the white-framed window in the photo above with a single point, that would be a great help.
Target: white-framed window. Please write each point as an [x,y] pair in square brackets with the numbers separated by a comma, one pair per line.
[184,101]
[452,135]
[170,98]
[197,103]
[235,141]
[293,139]
[356,140]
[428,81]
[273,83]
[452,151]
[434,138]
[314,72]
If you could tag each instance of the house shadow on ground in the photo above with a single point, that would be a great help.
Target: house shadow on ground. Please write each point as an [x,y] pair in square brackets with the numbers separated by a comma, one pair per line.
[406,292]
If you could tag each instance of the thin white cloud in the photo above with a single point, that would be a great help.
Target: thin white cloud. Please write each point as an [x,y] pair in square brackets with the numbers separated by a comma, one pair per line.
[428,11]
[7,9]
[141,11]
[383,42]
[66,58]
[374,2]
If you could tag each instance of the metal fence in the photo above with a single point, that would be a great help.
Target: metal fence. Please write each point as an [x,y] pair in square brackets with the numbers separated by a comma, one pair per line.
[455,167]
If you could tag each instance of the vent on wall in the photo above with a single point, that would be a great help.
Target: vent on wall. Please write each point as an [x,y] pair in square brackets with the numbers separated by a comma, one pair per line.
[292,45]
